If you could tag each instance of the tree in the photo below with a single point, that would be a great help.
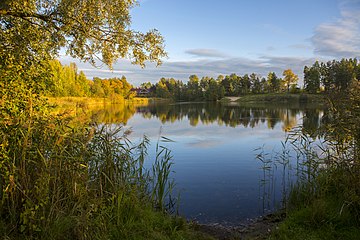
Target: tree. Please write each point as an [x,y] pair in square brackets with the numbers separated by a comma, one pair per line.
[33,31]
[82,85]
[220,78]
[33,141]
[312,78]
[327,76]
[193,88]
[245,84]
[234,85]
[146,85]
[337,76]
[161,89]
[88,29]
[273,82]
[227,84]
[264,85]
[256,85]
[213,91]
[344,73]
[290,78]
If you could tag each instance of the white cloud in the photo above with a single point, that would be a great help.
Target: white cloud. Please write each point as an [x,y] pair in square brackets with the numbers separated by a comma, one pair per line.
[349,4]
[270,49]
[94,70]
[300,46]
[183,69]
[340,38]
[207,53]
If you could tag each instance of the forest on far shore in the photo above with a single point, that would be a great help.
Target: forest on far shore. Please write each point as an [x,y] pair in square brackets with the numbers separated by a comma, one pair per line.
[332,76]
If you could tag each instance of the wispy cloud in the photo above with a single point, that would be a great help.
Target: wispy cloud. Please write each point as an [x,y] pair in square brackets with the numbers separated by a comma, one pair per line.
[300,46]
[205,143]
[270,49]
[349,4]
[183,69]
[340,38]
[94,70]
[207,53]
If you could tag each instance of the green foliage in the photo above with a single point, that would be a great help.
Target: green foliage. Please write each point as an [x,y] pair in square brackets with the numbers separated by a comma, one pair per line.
[312,77]
[290,79]
[333,76]
[162,90]
[59,180]
[35,30]
[328,213]
[162,184]
[273,82]
[210,89]
[80,183]
[66,81]
[325,201]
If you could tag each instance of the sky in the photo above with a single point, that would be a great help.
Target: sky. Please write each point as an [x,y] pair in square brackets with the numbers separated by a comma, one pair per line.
[212,37]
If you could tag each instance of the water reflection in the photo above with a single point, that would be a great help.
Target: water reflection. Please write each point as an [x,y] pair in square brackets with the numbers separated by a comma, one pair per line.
[234,115]
[116,113]
[230,115]
[215,166]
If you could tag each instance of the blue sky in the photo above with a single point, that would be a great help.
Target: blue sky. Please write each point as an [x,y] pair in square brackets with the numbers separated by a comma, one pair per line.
[212,37]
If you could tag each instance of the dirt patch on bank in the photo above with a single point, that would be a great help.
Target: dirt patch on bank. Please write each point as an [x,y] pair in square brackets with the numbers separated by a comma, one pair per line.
[232,99]
[257,229]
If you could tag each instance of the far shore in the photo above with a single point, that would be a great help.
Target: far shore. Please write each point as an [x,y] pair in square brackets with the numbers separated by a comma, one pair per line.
[91,102]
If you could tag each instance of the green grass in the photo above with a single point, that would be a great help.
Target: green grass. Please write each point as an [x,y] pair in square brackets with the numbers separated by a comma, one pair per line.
[322,219]
[323,200]
[87,102]
[68,181]
[282,98]
[326,208]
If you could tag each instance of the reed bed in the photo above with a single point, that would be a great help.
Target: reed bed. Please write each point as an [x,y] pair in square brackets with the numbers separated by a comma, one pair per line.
[64,181]
[319,185]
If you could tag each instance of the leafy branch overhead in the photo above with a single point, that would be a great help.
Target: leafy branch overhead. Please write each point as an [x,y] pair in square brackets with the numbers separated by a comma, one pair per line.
[90,30]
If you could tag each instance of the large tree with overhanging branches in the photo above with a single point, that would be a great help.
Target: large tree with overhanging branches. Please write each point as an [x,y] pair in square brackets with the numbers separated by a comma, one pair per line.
[91,30]
[33,31]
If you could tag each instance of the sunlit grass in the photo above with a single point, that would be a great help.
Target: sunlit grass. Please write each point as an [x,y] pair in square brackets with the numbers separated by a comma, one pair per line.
[71,102]
[99,110]
[282,97]
[63,182]
[320,184]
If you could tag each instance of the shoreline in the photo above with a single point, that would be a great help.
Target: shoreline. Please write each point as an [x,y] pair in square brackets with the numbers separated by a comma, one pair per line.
[257,228]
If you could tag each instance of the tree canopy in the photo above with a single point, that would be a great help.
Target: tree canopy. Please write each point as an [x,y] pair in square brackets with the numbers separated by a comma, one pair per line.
[90,30]
[290,78]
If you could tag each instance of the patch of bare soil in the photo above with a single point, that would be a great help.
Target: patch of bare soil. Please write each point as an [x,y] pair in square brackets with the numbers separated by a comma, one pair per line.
[233,99]
[257,229]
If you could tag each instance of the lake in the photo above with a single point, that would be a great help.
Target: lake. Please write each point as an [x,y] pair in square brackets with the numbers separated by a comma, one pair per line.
[215,166]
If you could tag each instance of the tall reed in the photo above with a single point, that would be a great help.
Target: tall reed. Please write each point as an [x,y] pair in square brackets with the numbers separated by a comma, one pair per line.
[319,186]
[60,181]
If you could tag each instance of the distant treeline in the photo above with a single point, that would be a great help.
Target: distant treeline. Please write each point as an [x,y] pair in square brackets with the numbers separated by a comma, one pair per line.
[332,76]
[66,81]
[211,89]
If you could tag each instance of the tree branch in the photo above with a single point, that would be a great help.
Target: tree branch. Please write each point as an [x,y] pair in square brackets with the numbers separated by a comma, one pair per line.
[26,16]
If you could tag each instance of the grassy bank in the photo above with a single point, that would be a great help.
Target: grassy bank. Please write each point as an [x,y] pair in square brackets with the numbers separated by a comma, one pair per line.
[65,181]
[88,102]
[331,213]
[280,98]
[99,110]
[324,201]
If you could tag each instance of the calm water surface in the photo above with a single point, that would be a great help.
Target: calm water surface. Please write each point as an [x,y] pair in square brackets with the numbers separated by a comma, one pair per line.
[215,168]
